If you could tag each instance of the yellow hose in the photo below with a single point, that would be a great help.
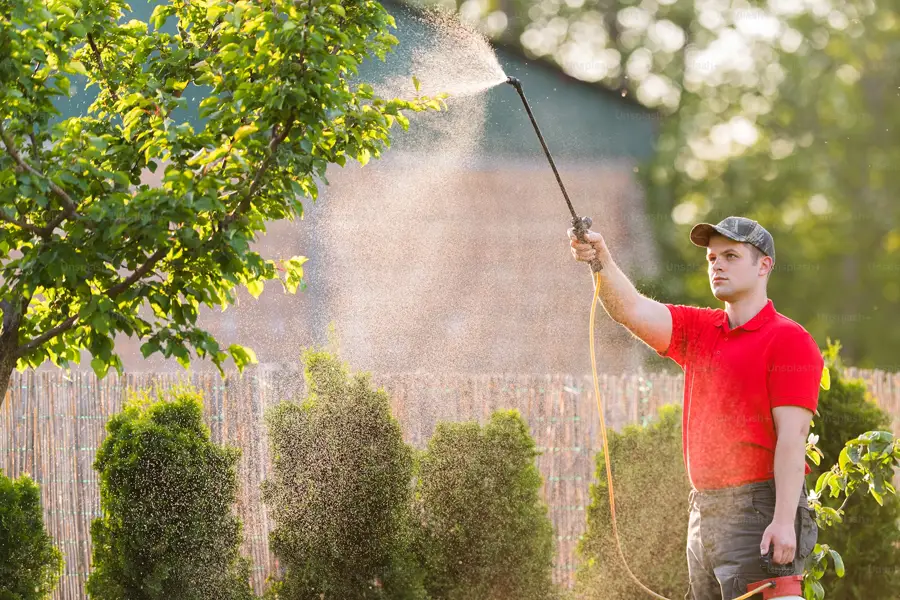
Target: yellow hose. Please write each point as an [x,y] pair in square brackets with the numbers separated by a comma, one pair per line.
[612,502]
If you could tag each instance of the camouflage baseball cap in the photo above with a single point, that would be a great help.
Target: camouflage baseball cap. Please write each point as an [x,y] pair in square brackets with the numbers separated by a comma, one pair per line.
[739,229]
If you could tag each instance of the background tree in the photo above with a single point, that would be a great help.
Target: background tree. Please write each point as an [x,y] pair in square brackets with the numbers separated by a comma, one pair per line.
[30,565]
[167,493]
[340,491]
[775,110]
[84,246]
[485,530]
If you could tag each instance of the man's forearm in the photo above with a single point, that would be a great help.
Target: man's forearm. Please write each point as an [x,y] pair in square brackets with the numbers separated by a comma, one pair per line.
[790,465]
[617,294]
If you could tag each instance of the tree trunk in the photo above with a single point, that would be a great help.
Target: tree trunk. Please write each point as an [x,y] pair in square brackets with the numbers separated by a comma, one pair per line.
[9,344]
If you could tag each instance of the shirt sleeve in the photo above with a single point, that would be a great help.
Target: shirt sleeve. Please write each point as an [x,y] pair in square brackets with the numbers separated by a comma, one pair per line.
[686,321]
[795,371]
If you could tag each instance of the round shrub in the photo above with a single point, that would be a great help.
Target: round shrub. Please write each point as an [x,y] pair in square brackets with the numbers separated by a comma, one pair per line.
[485,531]
[340,492]
[168,529]
[651,492]
[30,565]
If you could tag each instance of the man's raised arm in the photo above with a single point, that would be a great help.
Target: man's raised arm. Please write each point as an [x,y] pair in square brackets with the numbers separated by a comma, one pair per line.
[647,319]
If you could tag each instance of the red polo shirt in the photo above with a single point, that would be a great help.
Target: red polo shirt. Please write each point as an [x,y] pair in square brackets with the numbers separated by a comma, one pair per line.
[733,378]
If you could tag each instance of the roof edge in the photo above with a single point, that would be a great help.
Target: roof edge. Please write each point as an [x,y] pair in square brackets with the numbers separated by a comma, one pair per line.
[544,63]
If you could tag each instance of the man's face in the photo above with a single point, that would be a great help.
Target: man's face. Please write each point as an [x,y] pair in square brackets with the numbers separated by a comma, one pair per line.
[732,274]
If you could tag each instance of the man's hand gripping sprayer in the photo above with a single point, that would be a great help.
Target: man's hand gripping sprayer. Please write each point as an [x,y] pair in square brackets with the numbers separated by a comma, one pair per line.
[580,226]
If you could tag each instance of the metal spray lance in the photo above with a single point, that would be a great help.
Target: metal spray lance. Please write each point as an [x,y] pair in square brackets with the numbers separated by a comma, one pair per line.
[580,224]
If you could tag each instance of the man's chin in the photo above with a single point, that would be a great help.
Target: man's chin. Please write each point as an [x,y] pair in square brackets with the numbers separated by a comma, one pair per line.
[722,294]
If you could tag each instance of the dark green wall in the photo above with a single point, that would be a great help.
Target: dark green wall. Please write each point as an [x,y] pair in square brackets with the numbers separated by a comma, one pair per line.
[578,120]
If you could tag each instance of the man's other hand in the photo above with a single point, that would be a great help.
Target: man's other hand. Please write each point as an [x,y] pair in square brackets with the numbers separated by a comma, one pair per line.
[784,540]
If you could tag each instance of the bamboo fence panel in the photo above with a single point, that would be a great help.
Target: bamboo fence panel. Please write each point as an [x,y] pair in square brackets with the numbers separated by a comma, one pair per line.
[52,423]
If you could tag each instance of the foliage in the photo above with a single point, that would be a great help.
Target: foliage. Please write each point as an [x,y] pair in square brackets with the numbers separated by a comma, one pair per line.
[779,111]
[340,493]
[85,245]
[167,492]
[866,534]
[651,492]
[485,531]
[30,565]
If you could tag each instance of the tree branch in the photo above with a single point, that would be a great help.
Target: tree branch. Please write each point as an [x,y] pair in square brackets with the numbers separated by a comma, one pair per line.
[35,151]
[47,335]
[111,293]
[99,58]
[212,33]
[244,206]
[26,226]
[138,273]
[65,199]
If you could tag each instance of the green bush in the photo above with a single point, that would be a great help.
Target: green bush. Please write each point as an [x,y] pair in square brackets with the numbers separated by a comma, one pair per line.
[868,538]
[167,492]
[485,531]
[652,490]
[340,492]
[30,565]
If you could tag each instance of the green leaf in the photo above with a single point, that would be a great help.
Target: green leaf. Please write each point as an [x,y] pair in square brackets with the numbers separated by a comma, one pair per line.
[77,29]
[242,356]
[244,131]
[76,66]
[338,10]
[293,268]
[838,562]
[100,367]
[149,348]
[826,379]
[255,287]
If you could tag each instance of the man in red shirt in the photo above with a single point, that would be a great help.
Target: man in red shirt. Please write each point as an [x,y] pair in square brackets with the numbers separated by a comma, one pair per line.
[750,390]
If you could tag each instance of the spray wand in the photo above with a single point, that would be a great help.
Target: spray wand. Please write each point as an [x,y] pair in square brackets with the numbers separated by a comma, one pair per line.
[580,226]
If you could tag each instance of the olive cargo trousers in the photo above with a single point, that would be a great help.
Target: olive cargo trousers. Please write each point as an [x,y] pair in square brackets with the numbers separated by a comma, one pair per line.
[725,530]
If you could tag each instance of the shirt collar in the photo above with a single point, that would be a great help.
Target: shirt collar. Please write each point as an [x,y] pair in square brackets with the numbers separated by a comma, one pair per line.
[766,314]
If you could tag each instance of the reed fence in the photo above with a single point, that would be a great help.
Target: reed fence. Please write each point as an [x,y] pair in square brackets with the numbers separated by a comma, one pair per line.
[51,425]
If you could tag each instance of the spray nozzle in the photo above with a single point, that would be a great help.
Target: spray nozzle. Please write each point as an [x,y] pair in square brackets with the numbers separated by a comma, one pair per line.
[513,82]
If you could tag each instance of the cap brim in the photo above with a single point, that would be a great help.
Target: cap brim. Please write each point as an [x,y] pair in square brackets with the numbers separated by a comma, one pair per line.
[701,233]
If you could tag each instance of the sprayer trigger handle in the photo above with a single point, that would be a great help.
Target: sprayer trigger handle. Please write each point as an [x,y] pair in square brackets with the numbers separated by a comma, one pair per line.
[581,225]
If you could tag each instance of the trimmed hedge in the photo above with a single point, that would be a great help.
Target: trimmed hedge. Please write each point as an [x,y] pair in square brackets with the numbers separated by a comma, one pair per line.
[168,530]
[652,490]
[30,565]
[340,493]
[486,533]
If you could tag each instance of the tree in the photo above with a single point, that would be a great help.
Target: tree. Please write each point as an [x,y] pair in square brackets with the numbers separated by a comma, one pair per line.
[85,246]
[648,474]
[168,529]
[485,531]
[340,492]
[775,111]
[30,565]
